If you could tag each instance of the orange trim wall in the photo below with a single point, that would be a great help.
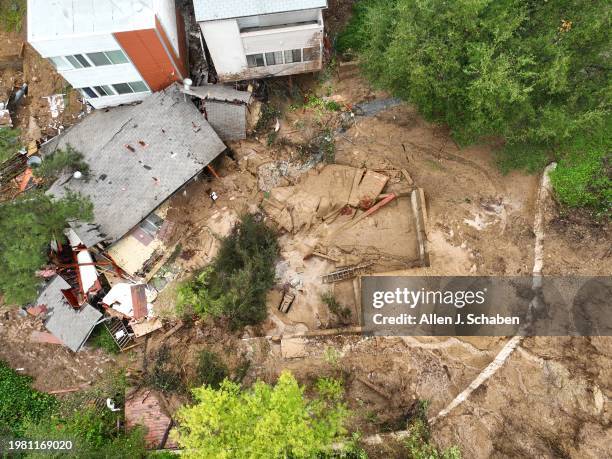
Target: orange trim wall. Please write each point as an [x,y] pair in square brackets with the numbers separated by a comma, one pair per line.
[179,62]
[147,52]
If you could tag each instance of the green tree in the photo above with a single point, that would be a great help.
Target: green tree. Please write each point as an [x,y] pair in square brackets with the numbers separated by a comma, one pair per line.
[533,72]
[19,402]
[27,226]
[236,283]
[264,421]
[93,434]
[9,143]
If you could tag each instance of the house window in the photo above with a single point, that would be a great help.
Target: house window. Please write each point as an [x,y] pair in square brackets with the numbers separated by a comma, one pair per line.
[99,59]
[78,61]
[89,93]
[255,60]
[293,55]
[60,63]
[310,54]
[104,91]
[274,58]
[151,224]
[139,86]
[132,87]
[117,57]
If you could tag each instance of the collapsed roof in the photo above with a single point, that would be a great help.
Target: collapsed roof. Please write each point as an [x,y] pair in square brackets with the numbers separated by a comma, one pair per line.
[69,324]
[138,157]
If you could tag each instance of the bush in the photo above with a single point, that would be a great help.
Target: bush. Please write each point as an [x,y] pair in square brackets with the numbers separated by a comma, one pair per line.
[263,421]
[12,13]
[583,177]
[102,339]
[9,143]
[162,377]
[211,370]
[20,403]
[94,434]
[419,445]
[342,312]
[67,160]
[236,283]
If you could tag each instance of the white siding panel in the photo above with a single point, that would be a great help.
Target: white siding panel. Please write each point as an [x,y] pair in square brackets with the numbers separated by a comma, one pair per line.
[97,76]
[112,101]
[281,39]
[83,22]
[225,45]
[66,46]
[166,13]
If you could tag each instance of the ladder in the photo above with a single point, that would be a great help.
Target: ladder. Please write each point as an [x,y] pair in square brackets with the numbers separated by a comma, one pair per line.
[346,272]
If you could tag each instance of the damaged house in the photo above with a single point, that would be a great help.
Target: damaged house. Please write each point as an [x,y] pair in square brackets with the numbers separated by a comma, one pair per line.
[250,39]
[113,52]
[138,157]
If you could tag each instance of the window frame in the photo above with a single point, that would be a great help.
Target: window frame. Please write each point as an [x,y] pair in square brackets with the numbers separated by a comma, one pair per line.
[98,54]
[254,56]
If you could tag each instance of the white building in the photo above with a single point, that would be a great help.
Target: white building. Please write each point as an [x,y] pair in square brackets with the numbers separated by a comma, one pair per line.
[113,51]
[262,38]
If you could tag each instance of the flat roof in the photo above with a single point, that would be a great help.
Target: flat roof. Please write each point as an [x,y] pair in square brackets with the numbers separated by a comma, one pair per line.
[214,10]
[53,19]
[138,157]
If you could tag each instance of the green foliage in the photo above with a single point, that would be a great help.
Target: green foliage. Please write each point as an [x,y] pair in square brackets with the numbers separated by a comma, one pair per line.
[162,377]
[66,160]
[93,433]
[324,144]
[534,73]
[9,143]
[102,339]
[264,421]
[27,226]
[335,307]
[419,445]
[583,177]
[20,403]
[236,283]
[269,114]
[12,13]
[211,370]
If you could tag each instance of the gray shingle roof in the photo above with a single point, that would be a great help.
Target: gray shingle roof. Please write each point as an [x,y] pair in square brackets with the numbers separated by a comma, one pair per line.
[71,326]
[219,92]
[212,10]
[129,180]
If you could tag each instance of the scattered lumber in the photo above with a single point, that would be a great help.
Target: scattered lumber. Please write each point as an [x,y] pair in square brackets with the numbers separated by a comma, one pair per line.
[380,391]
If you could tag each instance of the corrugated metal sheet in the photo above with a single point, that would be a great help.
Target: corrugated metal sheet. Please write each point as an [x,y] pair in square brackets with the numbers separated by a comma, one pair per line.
[129,180]
[213,10]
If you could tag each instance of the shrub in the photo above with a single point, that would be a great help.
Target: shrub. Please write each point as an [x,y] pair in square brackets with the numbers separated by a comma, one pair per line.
[20,403]
[67,160]
[162,377]
[342,312]
[419,444]
[102,339]
[9,143]
[211,370]
[263,421]
[236,283]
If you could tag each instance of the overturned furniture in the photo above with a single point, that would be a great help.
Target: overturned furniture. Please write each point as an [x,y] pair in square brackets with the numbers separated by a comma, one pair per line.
[231,113]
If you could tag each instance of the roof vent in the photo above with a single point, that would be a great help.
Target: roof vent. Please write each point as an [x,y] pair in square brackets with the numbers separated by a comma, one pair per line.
[187,84]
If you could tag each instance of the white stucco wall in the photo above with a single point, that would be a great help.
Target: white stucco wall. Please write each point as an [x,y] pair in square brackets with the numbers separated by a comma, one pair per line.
[281,39]
[166,13]
[225,45]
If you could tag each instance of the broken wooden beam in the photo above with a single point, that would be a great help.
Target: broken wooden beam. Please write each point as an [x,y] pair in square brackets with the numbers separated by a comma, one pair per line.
[366,214]
[380,391]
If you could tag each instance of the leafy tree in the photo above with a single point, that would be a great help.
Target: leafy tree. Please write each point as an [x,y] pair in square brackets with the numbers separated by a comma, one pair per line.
[211,370]
[264,421]
[9,143]
[19,402]
[533,72]
[236,283]
[93,434]
[61,160]
[27,226]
